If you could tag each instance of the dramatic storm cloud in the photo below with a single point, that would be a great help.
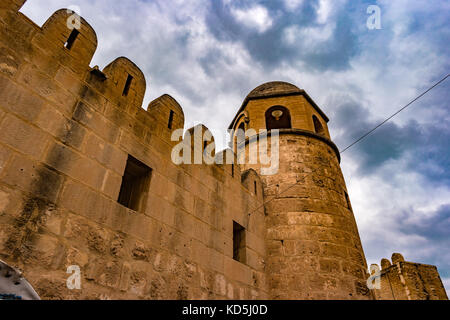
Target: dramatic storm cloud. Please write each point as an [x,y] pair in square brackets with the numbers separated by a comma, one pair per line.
[210,54]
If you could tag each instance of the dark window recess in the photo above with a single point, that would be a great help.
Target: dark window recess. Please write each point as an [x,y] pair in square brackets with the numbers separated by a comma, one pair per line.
[170,119]
[232,170]
[70,41]
[256,191]
[239,245]
[240,134]
[239,138]
[347,199]
[278,117]
[135,185]
[126,89]
[318,128]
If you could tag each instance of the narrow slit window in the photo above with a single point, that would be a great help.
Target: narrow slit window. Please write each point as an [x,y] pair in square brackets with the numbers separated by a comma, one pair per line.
[135,185]
[239,243]
[170,119]
[126,89]
[256,191]
[347,199]
[70,41]
[232,170]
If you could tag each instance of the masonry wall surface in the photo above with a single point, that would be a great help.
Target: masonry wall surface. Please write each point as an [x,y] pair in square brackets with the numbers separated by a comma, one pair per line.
[313,245]
[66,132]
[403,280]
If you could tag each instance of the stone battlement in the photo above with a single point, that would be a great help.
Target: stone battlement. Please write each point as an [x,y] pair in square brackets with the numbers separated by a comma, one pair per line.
[403,280]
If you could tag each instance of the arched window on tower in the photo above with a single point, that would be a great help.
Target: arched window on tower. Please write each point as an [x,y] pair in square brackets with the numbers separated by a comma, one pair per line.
[239,137]
[278,117]
[318,128]
[242,127]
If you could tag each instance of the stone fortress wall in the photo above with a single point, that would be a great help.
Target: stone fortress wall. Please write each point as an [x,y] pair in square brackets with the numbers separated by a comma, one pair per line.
[86,179]
[403,280]
[67,133]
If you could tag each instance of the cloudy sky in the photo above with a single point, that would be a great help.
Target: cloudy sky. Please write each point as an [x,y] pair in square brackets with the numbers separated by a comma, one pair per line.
[208,54]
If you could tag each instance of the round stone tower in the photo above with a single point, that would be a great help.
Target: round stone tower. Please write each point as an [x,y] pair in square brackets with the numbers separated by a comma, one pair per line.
[313,249]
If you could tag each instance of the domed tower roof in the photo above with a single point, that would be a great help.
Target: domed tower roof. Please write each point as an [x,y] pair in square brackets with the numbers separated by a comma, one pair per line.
[276,89]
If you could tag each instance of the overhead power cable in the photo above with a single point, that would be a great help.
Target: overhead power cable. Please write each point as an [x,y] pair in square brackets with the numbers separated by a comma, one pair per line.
[396,113]
[360,138]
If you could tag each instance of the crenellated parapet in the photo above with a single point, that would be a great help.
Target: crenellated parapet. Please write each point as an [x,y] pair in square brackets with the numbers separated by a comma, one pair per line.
[90,178]
[49,63]
[404,280]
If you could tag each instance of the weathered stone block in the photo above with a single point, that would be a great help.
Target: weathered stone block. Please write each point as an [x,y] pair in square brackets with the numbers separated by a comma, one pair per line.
[18,100]
[22,136]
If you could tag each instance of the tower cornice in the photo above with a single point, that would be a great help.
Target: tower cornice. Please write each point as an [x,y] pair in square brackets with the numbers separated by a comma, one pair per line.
[299,92]
[302,132]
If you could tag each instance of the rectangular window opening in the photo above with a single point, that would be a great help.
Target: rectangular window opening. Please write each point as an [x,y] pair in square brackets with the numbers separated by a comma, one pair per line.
[135,185]
[256,190]
[126,89]
[239,243]
[232,170]
[70,41]
[170,119]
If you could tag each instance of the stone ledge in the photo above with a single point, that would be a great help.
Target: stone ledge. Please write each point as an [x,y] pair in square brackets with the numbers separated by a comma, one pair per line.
[300,132]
